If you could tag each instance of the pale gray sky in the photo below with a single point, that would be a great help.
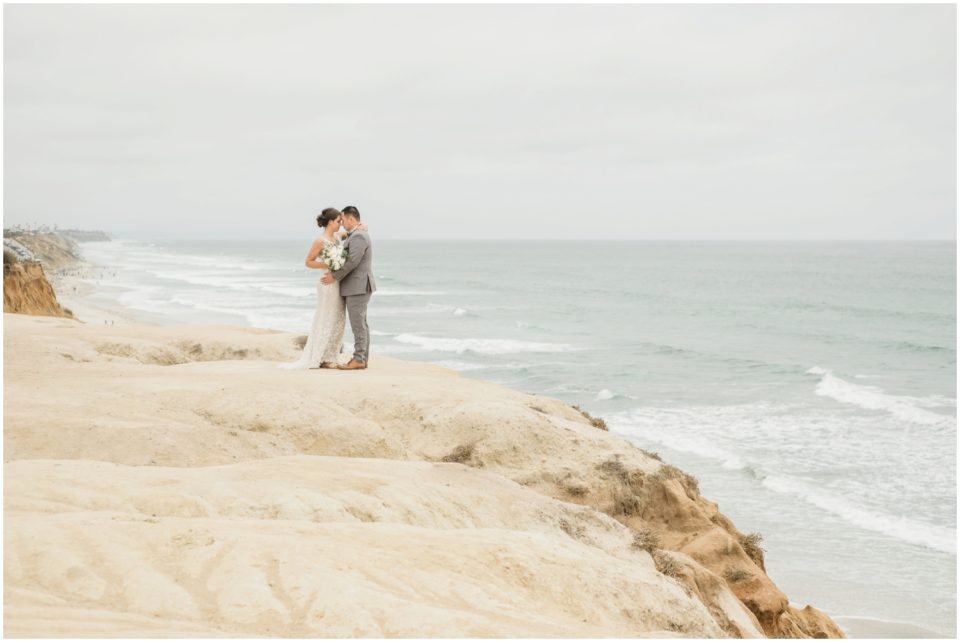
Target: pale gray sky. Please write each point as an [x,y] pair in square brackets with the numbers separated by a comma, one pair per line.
[532,121]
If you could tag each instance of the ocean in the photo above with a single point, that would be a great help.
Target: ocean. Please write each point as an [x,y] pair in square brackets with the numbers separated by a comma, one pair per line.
[810,386]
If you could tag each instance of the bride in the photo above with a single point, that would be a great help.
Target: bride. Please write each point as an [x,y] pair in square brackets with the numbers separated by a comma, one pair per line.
[326,334]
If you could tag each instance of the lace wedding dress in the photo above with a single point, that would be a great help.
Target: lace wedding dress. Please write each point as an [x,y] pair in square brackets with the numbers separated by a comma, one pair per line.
[326,334]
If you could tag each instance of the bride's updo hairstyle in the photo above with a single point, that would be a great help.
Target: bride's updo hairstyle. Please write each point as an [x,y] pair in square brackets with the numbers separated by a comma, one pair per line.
[327,215]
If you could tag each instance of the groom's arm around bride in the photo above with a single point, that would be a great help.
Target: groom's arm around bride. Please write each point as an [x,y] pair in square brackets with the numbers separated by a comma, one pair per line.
[356,275]
[357,245]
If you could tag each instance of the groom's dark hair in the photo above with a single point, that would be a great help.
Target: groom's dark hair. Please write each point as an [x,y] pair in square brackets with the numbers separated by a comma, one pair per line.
[350,210]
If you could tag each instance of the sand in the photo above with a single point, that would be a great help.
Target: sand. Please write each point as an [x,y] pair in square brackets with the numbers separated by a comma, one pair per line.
[171,481]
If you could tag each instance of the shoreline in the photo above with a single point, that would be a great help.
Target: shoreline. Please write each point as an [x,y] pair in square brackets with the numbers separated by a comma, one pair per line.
[96,313]
[75,293]
[862,627]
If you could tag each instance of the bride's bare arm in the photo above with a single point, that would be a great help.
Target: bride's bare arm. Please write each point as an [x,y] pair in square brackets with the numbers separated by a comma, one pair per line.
[312,254]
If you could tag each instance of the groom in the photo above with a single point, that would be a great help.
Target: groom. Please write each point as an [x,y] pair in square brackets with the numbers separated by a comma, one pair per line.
[356,285]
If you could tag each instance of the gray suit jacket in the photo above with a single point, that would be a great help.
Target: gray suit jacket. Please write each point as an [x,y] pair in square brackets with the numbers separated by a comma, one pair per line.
[356,275]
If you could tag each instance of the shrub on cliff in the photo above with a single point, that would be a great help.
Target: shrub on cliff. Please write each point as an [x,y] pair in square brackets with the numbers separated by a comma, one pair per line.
[666,564]
[461,454]
[596,422]
[690,483]
[646,540]
[751,546]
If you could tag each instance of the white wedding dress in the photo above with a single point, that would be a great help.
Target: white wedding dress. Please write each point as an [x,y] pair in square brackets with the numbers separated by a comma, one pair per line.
[326,334]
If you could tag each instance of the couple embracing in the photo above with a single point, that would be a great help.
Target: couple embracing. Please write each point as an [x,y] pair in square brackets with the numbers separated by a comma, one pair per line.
[346,256]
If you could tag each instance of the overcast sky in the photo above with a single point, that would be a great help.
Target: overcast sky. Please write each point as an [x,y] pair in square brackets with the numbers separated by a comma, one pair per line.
[536,121]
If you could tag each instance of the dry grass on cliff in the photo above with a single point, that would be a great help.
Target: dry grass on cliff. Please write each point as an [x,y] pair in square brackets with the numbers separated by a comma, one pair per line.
[646,540]
[596,422]
[615,468]
[734,575]
[751,546]
[622,493]
[460,455]
[651,454]
[666,564]
[690,483]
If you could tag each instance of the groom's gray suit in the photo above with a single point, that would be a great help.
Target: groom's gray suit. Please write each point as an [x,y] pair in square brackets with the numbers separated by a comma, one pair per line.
[356,286]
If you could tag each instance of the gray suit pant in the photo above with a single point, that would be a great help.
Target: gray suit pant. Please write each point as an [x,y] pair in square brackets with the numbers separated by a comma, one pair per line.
[357,310]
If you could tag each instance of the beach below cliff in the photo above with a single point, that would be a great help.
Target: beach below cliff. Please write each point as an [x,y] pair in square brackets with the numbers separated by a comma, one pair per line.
[172,481]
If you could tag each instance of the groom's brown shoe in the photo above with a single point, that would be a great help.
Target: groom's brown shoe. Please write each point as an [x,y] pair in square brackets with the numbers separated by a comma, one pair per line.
[353,364]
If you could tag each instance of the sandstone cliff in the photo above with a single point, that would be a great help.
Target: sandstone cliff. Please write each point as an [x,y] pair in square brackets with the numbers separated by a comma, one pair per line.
[171,481]
[54,250]
[26,290]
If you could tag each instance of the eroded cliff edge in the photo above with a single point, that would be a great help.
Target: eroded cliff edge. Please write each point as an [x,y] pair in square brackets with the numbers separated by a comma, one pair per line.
[26,259]
[153,470]
[26,290]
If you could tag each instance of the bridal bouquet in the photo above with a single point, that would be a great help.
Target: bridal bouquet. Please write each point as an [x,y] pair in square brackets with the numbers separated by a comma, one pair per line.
[334,255]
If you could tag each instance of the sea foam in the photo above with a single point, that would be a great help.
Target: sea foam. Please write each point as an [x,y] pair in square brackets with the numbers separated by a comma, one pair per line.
[873,398]
[633,425]
[939,538]
[480,346]
[660,426]
[387,292]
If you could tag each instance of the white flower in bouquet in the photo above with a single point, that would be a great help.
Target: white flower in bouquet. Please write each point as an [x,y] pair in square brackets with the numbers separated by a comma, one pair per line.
[334,255]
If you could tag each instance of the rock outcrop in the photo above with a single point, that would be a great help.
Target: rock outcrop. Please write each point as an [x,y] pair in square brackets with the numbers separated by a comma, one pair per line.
[26,290]
[172,481]
[54,250]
